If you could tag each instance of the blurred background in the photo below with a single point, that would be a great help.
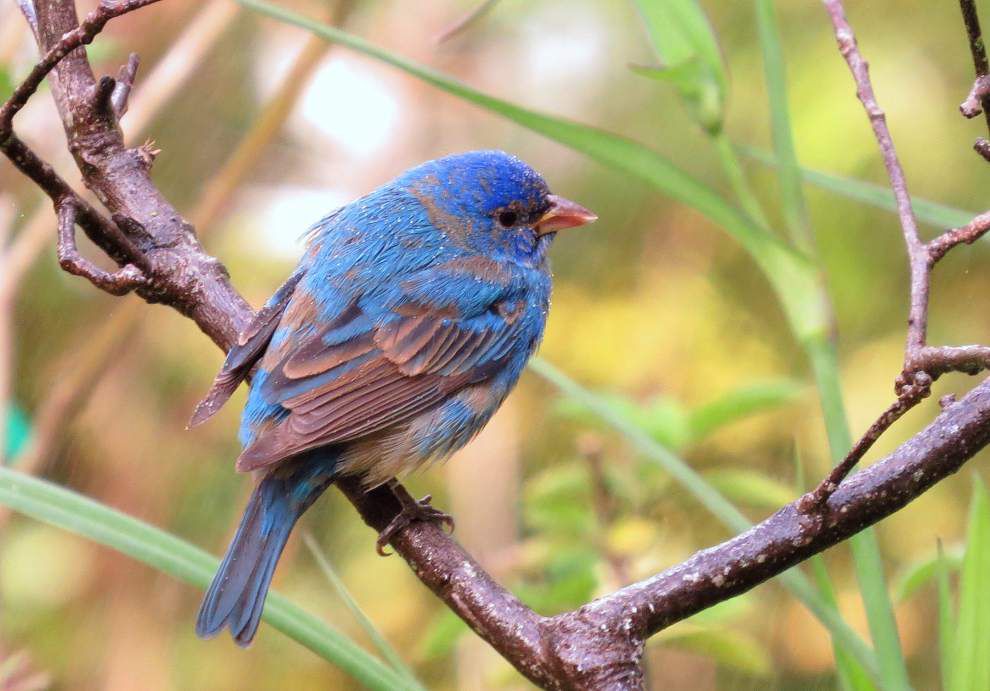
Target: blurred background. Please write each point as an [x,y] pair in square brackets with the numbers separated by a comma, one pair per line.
[264,129]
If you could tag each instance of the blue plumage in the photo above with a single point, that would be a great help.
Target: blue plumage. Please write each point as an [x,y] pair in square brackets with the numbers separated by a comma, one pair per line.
[406,324]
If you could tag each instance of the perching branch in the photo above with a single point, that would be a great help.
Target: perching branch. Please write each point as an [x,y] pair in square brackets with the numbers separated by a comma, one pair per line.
[601,644]
[923,364]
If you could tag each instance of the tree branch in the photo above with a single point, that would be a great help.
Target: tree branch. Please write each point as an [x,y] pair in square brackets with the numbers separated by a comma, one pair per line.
[978,99]
[117,283]
[923,364]
[599,645]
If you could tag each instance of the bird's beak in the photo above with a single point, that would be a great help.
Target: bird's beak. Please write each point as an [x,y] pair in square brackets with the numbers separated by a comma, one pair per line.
[563,213]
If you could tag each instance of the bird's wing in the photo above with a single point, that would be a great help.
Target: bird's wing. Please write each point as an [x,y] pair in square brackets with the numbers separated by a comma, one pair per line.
[355,376]
[250,346]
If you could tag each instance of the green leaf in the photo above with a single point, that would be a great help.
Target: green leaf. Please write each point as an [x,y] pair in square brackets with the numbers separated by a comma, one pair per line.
[65,509]
[879,610]
[920,573]
[664,418]
[681,35]
[853,676]
[727,647]
[696,87]
[927,211]
[685,76]
[750,487]
[743,402]
[679,31]
[970,668]
[712,500]
[18,432]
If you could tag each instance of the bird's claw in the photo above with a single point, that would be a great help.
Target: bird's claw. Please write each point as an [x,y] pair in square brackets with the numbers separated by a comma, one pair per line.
[412,511]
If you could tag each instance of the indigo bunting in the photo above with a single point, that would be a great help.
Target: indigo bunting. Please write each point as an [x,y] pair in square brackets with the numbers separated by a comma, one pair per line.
[404,327]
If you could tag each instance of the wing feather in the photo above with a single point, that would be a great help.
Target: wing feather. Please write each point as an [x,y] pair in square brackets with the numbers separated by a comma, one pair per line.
[250,346]
[389,374]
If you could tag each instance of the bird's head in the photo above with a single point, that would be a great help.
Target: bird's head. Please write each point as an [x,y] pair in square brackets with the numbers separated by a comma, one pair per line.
[492,203]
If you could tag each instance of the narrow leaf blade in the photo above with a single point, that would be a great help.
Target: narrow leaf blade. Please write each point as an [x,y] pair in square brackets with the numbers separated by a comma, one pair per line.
[70,511]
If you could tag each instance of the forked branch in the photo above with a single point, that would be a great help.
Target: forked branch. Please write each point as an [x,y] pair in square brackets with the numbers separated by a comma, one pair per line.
[923,364]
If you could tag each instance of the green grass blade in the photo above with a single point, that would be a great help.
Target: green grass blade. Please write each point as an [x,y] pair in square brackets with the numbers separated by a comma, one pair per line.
[788,171]
[718,505]
[879,610]
[70,511]
[946,621]
[970,668]
[791,274]
[377,638]
[738,180]
[864,545]
[852,675]
[927,211]
[708,497]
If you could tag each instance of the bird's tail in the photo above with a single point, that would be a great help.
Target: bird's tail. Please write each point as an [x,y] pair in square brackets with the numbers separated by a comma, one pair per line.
[236,597]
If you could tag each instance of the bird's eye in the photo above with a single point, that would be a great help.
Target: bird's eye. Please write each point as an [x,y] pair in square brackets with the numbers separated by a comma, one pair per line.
[507,219]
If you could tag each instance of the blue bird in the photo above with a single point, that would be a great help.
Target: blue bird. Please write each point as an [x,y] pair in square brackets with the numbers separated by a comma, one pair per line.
[406,324]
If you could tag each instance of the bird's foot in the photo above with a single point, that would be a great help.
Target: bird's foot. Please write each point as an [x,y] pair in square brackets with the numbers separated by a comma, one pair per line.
[412,510]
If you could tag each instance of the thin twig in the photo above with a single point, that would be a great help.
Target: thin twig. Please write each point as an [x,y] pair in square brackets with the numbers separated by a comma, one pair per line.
[164,80]
[125,82]
[923,364]
[979,96]
[81,35]
[967,234]
[120,282]
[911,395]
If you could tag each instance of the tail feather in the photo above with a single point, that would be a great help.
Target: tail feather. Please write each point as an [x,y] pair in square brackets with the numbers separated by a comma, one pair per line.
[236,597]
